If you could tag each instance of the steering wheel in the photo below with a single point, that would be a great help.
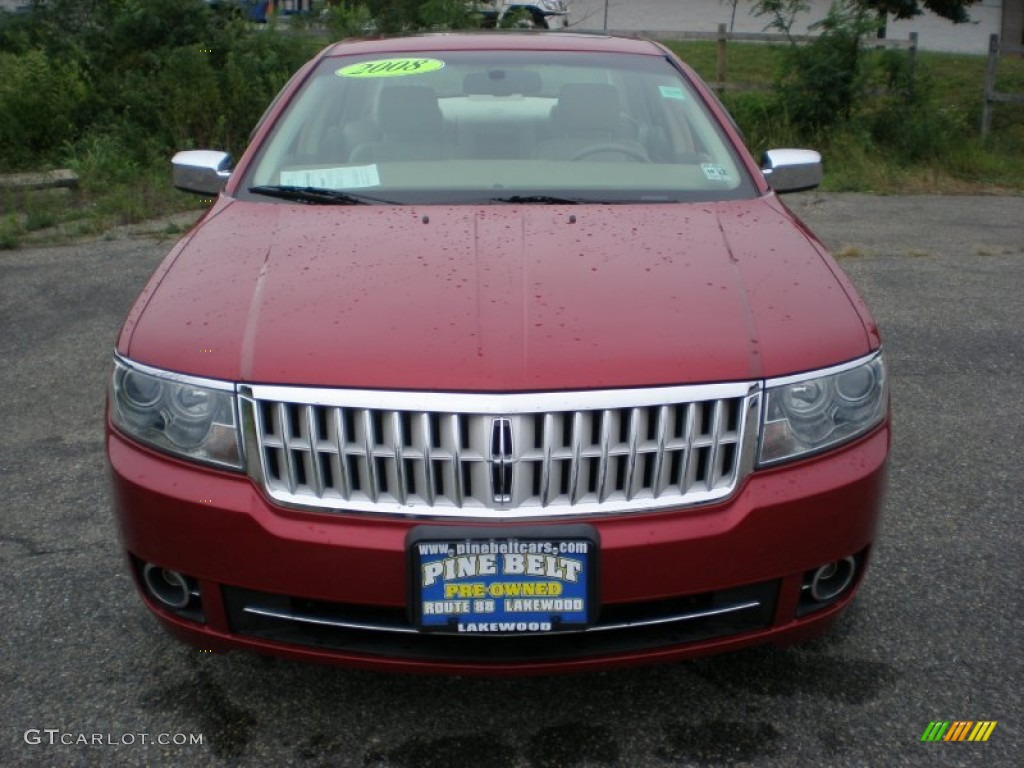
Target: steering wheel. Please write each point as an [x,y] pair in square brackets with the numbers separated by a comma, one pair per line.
[630,152]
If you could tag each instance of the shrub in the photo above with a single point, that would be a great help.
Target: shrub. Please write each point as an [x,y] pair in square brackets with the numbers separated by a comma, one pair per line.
[40,100]
[822,83]
[908,119]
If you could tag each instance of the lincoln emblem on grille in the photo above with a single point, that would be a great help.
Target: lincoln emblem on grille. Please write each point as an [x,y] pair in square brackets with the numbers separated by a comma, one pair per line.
[502,464]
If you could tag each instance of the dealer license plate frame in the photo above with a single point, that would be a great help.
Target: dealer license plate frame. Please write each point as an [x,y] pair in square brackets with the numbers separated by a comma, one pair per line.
[428,545]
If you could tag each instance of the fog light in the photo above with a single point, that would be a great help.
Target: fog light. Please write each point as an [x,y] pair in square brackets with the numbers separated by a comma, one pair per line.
[169,588]
[831,580]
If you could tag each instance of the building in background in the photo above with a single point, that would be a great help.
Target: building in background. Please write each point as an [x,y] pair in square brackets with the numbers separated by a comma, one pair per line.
[1002,17]
[988,17]
[1013,22]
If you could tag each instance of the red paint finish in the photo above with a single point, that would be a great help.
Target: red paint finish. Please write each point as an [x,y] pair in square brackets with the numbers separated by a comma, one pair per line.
[781,523]
[497,298]
[502,299]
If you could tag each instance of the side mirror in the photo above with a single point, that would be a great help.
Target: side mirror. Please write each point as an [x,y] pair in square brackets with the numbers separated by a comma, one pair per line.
[203,171]
[792,170]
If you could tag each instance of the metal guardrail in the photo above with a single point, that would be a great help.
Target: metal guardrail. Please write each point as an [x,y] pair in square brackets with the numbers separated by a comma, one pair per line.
[992,96]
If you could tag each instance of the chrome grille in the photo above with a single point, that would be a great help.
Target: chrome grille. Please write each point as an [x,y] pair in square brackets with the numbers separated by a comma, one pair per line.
[500,456]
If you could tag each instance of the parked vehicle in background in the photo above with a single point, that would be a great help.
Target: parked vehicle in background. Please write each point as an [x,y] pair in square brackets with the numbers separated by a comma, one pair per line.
[260,11]
[497,353]
[539,14]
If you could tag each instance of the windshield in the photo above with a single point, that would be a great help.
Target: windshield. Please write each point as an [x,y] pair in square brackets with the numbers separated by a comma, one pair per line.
[498,126]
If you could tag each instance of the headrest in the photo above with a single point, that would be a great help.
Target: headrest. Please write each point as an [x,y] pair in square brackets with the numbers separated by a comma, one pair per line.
[408,108]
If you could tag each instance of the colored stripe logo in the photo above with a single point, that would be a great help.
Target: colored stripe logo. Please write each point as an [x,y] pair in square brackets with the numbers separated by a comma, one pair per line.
[959,730]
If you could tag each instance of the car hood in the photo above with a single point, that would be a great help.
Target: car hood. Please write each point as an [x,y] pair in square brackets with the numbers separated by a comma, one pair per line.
[493,298]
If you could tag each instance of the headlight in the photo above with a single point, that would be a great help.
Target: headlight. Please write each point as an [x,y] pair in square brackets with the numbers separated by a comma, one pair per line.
[814,411]
[191,418]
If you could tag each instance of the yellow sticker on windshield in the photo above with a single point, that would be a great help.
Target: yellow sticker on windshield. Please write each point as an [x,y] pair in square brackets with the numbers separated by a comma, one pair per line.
[390,68]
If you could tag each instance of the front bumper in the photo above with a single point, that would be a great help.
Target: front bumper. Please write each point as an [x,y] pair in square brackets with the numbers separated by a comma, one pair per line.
[253,563]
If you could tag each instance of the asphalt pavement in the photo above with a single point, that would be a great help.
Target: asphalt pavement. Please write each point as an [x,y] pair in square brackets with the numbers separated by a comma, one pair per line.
[935,634]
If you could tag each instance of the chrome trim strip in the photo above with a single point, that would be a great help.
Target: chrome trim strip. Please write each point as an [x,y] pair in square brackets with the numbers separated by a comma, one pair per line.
[634,440]
[782,381]
[428,460]
[456,459]
[341,438]
[369,440]
[371,627]
[499,403]
[181,378]
[303,619]
[313,439]
[452,502]
[716,435]
[577,454]
[545,469]
[751,437]
[398,440]
[286,438]
[489,514]
[602,467]
[723,610]
[657,479]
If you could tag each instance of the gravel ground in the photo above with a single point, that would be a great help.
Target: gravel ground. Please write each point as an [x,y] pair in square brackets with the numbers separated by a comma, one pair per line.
[935,633]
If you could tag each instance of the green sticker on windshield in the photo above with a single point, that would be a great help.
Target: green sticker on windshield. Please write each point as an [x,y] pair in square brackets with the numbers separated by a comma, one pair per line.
[390,68]
[672,92]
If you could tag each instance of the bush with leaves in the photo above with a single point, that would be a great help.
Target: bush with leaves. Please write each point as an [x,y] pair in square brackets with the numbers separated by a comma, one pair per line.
[347,18]
[822,83]
[823,86]
[41,100]
[908,119]
[149,76]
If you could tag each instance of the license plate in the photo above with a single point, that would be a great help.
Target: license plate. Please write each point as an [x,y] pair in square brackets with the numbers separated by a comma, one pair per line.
[508,585]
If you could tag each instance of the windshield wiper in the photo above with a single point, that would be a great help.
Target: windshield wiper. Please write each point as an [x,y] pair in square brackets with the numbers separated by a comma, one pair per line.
[317,195]
[539,199]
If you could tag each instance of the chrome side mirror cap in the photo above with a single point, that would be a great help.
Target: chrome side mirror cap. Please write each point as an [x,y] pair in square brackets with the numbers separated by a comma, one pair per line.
[203,171]
[792,170]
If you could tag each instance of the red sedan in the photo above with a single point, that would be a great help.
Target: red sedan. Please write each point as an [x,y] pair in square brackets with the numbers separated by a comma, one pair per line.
[497,353]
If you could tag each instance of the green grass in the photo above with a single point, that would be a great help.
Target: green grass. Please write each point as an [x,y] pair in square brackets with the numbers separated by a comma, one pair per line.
[745,62]
[102,201]
[857,161]
[10,232]
[117,190]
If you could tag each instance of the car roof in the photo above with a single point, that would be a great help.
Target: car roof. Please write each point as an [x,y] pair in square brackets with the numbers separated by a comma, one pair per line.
[496,41]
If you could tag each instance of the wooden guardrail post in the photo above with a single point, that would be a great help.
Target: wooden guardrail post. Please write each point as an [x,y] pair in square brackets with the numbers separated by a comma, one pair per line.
[990,85]
[995,50]
[720,60]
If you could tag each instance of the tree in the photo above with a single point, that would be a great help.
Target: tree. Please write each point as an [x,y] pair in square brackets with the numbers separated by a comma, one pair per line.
[821,85]
[954,10]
